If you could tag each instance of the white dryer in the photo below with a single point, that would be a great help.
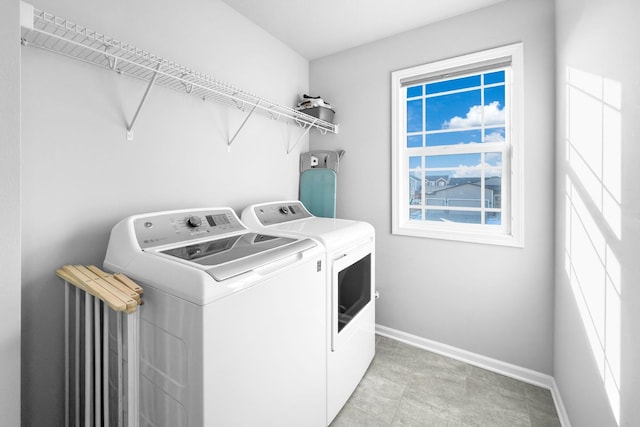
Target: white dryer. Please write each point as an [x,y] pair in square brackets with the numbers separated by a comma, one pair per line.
[233,329]
[350,247]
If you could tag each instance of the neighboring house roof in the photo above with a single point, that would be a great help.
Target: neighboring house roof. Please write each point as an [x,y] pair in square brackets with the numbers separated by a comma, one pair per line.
[494,182]
[465,180]
[450,187]
[436,177]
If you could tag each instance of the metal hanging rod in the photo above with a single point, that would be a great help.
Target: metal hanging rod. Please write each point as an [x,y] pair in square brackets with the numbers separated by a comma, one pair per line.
[49,32]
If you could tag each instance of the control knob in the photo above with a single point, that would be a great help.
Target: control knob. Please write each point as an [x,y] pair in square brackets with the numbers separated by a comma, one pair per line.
[193,221]
[284,210]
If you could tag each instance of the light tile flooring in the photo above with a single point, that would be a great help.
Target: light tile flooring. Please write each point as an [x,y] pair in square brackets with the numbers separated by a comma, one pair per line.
[408,386]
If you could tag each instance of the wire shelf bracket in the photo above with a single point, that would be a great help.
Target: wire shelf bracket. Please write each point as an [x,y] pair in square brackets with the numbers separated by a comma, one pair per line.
[142,101]
[307,128]
[244,122]
[49,32]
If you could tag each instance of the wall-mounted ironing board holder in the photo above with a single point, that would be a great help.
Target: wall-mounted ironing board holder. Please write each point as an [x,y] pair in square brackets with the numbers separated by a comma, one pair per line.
[321,159]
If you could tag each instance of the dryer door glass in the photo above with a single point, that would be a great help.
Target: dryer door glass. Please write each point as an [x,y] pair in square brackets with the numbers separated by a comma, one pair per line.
[354,290]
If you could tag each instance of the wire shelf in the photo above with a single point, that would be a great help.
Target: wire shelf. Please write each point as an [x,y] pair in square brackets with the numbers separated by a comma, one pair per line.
[49,32]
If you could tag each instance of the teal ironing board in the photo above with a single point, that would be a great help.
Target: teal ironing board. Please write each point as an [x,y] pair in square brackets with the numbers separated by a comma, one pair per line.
[318,191]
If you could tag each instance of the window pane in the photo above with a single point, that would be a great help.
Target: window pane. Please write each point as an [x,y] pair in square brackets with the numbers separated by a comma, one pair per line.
[493,164]
[414,141]
[415,188]
[414,116]
[459,162]
[497,77]
[492,195]
[454,84]
[437,179]
[459,196]
[454,138]
[459,186]
[493,218]
[459,192]
[414,91]
[494,135]
[467,217]
[455,111]
[493,181]
[492,94]
[434,200]
[415,162]
[415,214]
[494,113]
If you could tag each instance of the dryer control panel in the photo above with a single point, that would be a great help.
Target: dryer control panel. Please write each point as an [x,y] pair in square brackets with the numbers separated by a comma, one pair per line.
[276,213]
[183,226]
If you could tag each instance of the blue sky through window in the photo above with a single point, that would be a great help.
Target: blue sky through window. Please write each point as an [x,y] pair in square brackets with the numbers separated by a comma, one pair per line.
[442,109]
[453,160]
[456,111]
[454,84]
[495,77]
[454,138]
[414,115]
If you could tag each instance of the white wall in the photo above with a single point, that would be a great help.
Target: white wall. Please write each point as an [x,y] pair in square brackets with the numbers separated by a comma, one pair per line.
[10,213]
[598,223]
[80,175]
[491,300]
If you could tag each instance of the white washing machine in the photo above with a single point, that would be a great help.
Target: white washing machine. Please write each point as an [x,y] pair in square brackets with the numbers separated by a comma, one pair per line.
[233,329]
[350,247]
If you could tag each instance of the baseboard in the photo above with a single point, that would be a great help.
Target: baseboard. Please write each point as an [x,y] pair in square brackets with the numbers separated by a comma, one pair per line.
[557,399]
[494,365]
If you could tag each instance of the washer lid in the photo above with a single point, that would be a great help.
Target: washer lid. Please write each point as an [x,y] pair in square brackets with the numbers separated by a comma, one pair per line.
[290,218]
[230,256]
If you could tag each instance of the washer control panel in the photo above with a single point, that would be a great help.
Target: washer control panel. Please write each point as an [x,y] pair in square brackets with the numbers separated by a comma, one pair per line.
[182,226]
[279,212]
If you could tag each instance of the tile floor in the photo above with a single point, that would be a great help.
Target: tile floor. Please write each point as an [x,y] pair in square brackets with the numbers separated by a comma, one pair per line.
[408,386]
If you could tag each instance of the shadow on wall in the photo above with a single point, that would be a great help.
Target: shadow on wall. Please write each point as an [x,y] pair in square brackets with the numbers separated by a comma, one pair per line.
[594,217]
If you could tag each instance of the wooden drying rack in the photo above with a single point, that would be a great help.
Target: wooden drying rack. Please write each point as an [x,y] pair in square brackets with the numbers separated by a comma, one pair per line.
[117,290]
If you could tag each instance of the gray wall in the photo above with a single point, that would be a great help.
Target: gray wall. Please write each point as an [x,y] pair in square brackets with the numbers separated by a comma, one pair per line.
[491,300]
[80,175]
[10,213]
[598,274]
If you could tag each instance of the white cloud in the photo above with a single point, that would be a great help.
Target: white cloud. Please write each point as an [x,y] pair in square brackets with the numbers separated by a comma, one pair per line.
[492,167]
[493,159]
[466,172]
[494,137]
[493,115]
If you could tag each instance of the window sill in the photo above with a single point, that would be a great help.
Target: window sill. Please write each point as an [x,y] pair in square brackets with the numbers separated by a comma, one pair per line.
[508,240]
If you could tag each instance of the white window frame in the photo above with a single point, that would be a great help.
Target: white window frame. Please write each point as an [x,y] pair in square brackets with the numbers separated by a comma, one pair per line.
[510,233]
